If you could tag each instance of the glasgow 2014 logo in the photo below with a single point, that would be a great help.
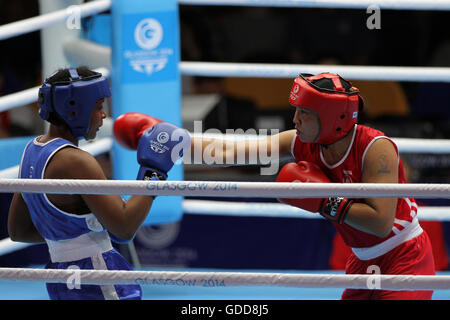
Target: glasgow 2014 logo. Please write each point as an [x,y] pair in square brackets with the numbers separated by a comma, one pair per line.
[148,34]
[153,53]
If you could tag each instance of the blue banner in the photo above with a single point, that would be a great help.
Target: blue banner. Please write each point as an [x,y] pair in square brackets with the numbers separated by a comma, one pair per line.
[228,242]
[145,78]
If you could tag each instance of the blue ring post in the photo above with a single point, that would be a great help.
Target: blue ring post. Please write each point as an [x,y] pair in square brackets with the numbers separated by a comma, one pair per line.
[146,78]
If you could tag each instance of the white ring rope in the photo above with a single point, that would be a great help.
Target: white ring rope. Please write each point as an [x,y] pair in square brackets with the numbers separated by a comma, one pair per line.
[37,23]
[82,51]
[435,146]
[8,246]
[18,99]
[225,188]
[249,209]
[94,7]
[241,69]
[405,145]
[216,69]
[273,70]
[344,4]
[227,279]
[280,210]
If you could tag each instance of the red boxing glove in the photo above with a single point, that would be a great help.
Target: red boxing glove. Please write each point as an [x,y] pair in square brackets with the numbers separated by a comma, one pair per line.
[303,172]
[128,128]
[333,208]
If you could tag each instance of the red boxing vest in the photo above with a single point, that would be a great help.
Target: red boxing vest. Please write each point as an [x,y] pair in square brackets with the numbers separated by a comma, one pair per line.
[349,170]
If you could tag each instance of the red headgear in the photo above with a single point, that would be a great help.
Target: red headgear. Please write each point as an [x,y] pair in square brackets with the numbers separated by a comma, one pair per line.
[337,108]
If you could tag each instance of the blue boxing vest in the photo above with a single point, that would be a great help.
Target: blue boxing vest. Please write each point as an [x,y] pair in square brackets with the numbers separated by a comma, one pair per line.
[74,241]
[51,222]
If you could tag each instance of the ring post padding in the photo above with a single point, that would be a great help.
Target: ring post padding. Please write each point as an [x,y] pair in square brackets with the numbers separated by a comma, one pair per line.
[146,78]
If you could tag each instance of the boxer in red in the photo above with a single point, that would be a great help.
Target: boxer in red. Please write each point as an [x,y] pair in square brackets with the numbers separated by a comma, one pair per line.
[383,232]
[329,146]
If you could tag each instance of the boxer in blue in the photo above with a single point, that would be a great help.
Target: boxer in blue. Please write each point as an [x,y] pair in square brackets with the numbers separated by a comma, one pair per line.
[78,228]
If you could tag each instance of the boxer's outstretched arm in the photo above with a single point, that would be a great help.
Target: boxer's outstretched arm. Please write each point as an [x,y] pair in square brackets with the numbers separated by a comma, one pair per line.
[232,152]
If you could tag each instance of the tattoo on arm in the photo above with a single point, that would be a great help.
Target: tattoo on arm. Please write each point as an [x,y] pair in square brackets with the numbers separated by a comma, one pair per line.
[383,164]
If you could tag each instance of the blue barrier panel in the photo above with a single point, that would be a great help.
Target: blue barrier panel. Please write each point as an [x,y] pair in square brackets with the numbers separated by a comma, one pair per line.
[98,29]
[11,150]
[145,78]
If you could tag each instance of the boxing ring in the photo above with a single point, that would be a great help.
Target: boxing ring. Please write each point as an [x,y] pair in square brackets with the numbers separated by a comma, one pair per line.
[27,283]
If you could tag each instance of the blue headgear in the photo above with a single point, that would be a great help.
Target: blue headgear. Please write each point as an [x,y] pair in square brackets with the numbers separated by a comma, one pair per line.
[73,100]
